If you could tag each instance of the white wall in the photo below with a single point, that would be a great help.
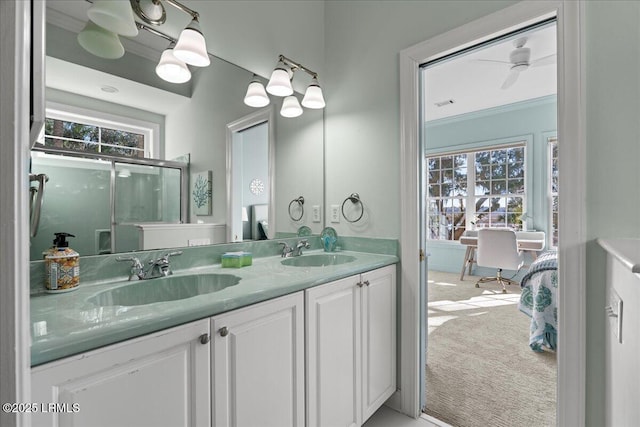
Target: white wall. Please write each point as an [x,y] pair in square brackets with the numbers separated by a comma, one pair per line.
[613,154]
[252,33]
[363,40]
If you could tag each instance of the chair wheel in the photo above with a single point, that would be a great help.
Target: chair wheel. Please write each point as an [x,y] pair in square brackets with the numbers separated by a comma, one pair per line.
[504,291]
[477,285]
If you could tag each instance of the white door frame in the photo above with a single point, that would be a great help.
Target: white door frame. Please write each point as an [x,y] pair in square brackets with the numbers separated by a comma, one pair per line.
[571,112]
[260,116]
[15,352]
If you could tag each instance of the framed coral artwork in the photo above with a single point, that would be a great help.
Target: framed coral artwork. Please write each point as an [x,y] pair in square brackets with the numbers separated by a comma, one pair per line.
[201,192]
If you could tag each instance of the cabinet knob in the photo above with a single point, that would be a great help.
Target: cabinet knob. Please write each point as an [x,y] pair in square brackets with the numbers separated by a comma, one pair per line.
[366,282]
[204,338]
[224,331]
[360,284]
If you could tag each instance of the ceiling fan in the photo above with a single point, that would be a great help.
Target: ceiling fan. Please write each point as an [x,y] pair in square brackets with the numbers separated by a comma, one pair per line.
[519,61]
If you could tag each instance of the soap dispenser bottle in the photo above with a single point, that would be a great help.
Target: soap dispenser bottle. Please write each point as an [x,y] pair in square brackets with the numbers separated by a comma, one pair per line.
[62,265]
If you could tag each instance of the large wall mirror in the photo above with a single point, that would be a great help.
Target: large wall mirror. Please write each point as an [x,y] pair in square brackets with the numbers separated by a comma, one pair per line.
[199,168]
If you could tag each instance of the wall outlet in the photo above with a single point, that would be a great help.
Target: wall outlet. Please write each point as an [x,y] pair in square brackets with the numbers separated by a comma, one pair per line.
[316,213]
[335,213]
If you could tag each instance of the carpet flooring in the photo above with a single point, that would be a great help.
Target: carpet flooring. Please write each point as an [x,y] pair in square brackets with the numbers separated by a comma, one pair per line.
[480,369]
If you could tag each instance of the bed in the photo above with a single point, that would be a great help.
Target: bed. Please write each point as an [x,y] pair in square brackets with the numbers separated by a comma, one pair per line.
[538,301]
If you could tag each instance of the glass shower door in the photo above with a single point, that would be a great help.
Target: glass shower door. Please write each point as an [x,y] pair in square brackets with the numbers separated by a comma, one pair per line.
[143,194]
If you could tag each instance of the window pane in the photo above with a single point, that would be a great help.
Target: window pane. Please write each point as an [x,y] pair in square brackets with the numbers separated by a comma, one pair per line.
[89,147]
[498,171]
[71,130]
[119,137]
[498,187]
[516,186]
[516,170]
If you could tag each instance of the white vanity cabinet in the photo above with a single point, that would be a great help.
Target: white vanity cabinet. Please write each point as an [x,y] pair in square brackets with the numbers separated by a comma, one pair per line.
[258,365]
[351,348]
[162,379]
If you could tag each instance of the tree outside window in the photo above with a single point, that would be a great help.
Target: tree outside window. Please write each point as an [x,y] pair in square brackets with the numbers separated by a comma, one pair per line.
[494,188]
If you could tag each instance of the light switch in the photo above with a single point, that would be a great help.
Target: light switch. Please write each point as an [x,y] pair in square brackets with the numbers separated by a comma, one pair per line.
[335,213]
[614,312]
[316,213]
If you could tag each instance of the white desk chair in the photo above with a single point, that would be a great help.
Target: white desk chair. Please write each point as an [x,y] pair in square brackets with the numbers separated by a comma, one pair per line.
[498,248]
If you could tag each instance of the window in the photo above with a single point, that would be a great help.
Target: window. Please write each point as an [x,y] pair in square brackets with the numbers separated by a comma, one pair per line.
[553,189]
[76,129]
[491,193]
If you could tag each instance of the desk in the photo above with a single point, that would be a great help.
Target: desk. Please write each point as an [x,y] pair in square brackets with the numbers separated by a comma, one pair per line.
[530,241]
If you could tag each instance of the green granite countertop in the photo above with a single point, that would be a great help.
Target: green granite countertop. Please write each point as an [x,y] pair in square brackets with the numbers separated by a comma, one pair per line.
[69,323]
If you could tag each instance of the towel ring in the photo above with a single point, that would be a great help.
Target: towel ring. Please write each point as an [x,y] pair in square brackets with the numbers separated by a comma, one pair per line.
[355,199]
[300,202]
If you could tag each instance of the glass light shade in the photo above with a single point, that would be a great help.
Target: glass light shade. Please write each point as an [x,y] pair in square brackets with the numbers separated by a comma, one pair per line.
[313,96]
[256,95]
[172,69]
[100,42]
[280,82]
[290,107]
[114,15]
[191,46]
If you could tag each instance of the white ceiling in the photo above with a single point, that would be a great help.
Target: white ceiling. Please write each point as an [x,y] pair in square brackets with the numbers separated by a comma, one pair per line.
[475,85]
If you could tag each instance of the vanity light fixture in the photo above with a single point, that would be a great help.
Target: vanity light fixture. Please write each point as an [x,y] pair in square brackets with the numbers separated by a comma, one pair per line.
[114,15]
[110,18]
[172,69]
[100,41]
[280,85]
[191,46]
[256,95]
[290,107]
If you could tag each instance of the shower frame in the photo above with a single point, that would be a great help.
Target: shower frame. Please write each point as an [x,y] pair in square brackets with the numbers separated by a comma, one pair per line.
[184,178]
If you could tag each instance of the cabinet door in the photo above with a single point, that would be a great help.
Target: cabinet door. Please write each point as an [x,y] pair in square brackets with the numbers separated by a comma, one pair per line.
[333,354]
[258,365]
[378,338]
[158,380]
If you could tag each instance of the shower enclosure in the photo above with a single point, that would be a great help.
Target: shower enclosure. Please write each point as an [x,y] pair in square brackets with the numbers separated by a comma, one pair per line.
[100,200]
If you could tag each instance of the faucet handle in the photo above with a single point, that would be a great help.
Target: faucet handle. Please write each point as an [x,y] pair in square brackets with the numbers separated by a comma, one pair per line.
[135,262]
[286,249]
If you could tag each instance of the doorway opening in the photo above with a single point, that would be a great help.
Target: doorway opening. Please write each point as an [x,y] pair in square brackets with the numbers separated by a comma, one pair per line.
[250,176]
[488,133]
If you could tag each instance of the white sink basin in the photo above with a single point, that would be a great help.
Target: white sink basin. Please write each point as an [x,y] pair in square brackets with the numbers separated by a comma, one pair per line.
[164,289]
[318,260]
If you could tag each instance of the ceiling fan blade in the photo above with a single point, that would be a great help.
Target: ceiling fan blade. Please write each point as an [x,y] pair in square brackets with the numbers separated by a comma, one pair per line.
[511,78]
[545,60]
[492,61]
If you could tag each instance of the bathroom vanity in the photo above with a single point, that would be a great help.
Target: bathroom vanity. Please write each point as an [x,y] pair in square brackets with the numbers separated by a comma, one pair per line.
[301,345]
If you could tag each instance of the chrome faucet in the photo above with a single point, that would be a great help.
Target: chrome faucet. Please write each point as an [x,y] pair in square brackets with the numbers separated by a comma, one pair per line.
[301,244]
[157,268]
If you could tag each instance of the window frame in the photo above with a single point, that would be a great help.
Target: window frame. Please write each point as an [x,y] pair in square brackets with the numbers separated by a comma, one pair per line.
[149,130]
[552,140]
[524,141]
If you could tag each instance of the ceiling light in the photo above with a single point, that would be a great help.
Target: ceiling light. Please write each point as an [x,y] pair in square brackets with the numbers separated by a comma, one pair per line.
[109,89]
[280,81]
[171,68]
[290,107]
[114,15]
[191,46]
[256,95]
[100,42]
[313,96]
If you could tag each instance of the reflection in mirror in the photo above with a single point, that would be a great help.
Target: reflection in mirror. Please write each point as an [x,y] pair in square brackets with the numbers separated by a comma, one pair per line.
[187,119]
